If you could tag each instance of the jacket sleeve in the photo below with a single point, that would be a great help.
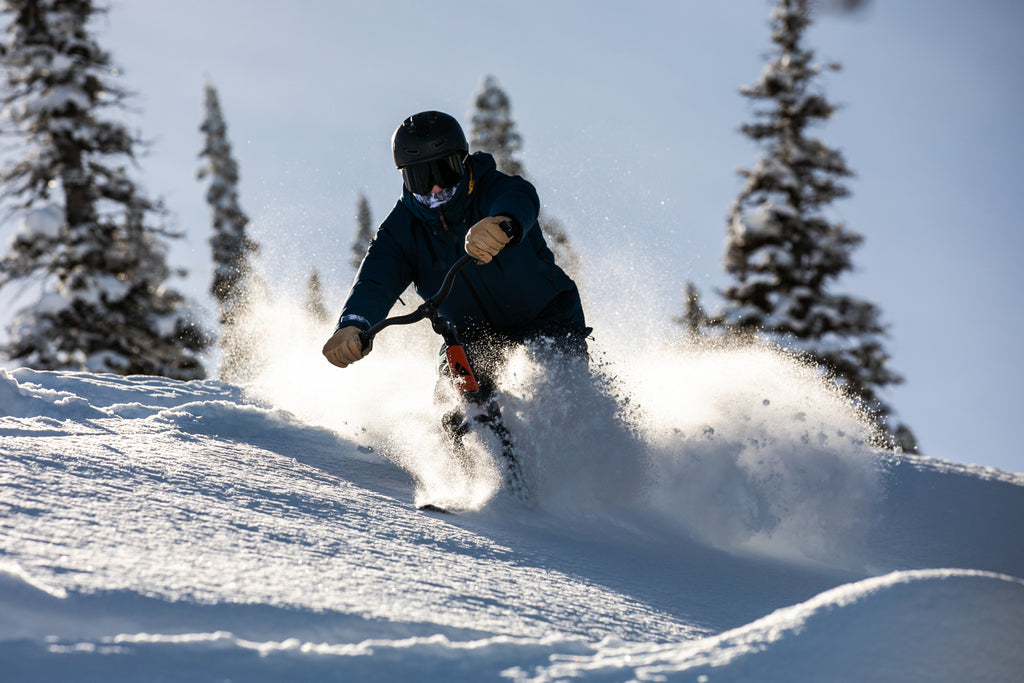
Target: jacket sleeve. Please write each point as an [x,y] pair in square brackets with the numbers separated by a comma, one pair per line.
[512,196]
[383,275]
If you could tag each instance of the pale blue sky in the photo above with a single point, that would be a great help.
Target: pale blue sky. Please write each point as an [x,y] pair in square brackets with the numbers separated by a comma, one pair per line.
[629,112]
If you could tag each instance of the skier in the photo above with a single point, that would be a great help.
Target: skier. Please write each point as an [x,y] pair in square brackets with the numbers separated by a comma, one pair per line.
[454,201]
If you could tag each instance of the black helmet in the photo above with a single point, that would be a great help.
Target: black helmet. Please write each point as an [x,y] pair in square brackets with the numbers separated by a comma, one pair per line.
[430,136]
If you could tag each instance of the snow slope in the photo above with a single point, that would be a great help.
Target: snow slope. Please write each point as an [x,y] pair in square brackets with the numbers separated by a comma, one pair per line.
[696,516]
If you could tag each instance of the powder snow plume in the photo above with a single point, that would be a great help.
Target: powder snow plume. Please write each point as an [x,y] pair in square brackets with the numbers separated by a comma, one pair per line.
[746,449]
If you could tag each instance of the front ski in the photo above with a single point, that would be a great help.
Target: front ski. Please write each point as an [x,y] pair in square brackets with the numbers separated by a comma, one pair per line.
[490,415]
[484,415]
[432,507]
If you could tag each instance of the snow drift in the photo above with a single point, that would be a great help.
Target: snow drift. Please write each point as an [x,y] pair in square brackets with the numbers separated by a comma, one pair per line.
[695,516]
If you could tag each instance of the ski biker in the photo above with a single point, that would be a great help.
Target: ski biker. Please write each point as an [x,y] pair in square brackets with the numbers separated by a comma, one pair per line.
[453,203]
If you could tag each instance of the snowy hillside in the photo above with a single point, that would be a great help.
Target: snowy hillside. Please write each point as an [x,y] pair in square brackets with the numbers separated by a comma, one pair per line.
[704,517]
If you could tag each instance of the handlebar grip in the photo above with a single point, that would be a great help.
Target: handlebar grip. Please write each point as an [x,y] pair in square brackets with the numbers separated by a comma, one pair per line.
[365,342]
[507,228]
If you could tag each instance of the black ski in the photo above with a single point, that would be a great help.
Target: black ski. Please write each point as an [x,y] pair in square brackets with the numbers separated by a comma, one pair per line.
[487,413]
[431,507]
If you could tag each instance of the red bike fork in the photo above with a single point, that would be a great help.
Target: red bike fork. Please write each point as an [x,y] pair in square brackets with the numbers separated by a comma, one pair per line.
[460,370]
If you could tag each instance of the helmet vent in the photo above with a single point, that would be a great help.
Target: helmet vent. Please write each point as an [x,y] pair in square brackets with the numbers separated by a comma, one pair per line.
[440,143]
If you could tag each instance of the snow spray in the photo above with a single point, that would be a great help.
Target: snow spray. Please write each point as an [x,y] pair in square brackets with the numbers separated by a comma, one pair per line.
[747,448]
[744,449]
[752,451]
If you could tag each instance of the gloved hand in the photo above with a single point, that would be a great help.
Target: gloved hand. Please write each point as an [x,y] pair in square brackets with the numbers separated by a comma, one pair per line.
[485,239]
[344,348]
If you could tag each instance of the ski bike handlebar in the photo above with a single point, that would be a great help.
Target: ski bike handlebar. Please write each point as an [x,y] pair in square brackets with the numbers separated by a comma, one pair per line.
[428,309]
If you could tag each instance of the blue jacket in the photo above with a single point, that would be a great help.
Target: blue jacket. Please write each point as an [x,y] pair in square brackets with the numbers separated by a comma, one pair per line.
[520,291]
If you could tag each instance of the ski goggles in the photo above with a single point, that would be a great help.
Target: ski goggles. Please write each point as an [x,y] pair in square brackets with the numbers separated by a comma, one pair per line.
[445,173]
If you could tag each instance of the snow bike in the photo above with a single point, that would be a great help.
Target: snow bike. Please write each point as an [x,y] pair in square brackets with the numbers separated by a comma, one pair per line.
[480,406]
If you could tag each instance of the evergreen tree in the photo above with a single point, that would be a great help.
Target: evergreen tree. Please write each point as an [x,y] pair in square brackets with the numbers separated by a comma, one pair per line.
[234,284]
[364,231]
[493,131]
[694,318]
[90,238]
[231,243]
[314,305]
[783,252]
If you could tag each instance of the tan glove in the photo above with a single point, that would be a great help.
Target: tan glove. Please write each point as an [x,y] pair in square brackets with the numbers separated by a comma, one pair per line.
[485,239]
[344,348]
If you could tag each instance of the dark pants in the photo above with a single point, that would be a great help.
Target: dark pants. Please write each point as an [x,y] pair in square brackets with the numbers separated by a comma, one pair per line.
[487,354]
[561,324]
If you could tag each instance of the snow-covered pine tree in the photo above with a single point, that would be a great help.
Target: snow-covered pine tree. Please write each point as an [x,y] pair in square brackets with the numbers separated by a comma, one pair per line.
[90,238]
[364,231]
[493,131]
[783,251]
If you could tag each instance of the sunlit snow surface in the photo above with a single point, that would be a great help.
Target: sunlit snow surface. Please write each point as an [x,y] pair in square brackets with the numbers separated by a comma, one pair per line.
[694,515]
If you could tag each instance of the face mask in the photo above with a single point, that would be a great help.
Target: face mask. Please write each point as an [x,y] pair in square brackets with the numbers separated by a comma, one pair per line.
[433,201]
